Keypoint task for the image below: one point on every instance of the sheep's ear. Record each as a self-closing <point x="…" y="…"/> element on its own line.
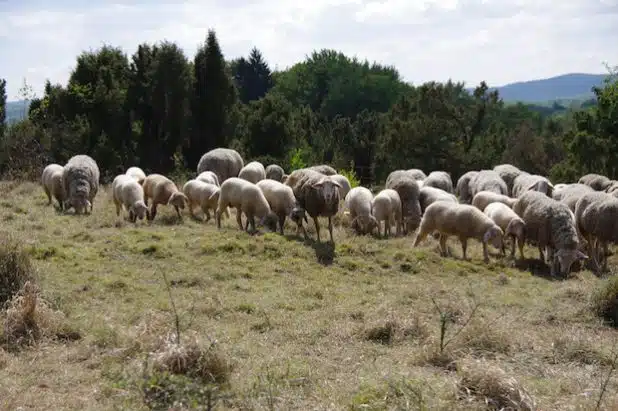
<point x="581" y="255"/>
<point x="336" y="184"/>
<point x="318" y="184"/>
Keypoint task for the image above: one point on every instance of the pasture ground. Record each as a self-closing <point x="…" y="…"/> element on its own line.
<point x="297" y="326"/>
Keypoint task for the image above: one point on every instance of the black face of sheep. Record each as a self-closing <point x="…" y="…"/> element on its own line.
<point x="269" y="221"/>
<point x="80" y="204"/>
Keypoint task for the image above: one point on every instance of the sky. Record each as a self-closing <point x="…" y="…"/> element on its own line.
<point x="499" y="41"/>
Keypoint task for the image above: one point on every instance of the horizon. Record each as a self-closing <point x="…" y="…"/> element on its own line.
<point x="445" y="34"/>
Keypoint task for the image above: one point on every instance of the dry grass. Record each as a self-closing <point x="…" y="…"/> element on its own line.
<point x="297" y="325"/>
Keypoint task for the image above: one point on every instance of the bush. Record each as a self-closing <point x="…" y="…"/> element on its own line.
<point x="15" y="268"/>
<point x="604" y="300"/>
<point x="351" y="176"/>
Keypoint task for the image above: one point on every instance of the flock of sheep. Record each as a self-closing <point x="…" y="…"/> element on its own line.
<point x="565" y="221"/>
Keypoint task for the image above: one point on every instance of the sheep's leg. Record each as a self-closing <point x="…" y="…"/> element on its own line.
<point x="153" y="211"/>
<point x="227" y="212"/>
<point x="206" y="212"/>
<point x="218" y="217"/>
<point x="541" y="254"/>
<point x="118" y="207"/>
<point x="464" y="248"/>
<point x="49" y="197"/>
<point x="60" y="205"/>
<point x="178" y="211"/>
<point x="190" y="207"/>
<point x="521" y="244"/>
<point x="604" y="256"/>
<point x="239" y="218"/>
<point x="419" y="237"/>
<point x="443" y="250"/>
<point x="513" y="247"/>
<point x="317" y="226"/>
<point x="330" y="229"/>
<point x="592" y="250"/>
<point x="281" y="223"/>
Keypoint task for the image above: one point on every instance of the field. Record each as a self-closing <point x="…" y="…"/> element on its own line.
<point x="285" y="324"/>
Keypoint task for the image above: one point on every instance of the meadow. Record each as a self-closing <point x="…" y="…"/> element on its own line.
<point x="278" y="322"/>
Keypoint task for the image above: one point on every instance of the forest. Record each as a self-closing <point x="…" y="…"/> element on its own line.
<point x="161" y="109"/>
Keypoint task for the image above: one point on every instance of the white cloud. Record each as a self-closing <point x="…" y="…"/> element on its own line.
<point x="499" y="41"/>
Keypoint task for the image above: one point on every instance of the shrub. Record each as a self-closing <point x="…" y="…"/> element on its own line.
<point x="604" y="300"/>
<point x="15" y="267"/>
<point x="351" y="176"/>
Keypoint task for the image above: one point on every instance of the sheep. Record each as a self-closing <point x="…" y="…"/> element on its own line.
<point x="550" y="224"/>
<point x="487" y="180"/>
<point x="511" y="224"/>
<point x="209" y="177"/>
<point x="358" y="204"/>
<point x="344" y="183"/>
<point x="386" y="206"/>
<point x="224" y="162"/>
<point x="525" y="182"/>
<point x="409" y="193"/>
<point x="282" y="202"/>
<point x="324" y="169"/>
<point x="253" y="172"/>
<point x="137" y="173"/>
<point x="127" y="192"/>
<point x="275" y="172"/>
<point x="612" y="188"/>
<point x="462" y="189"/>
<point x="202" y="194"/>
<point x="462" y="220"/>
<point x="598" y="223"/>
<point x="246" y="198"/>
<point x="417" y="173"/>
<point x="162" y="190"/>
<point x="598" y="182"/>
<point x="80" y="182"/>
<point x="508" y="173"/>
<point x="429" y="195"/>
<point x="483" y="198"/>
<point x="398" y="173"/>
<point x="51" y="179"/>
<point x="439" y="179"/>
<point x="317" y="194"/>
<point x="570" y="194"/>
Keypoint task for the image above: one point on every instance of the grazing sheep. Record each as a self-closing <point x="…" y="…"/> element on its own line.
<point x="162" y="190"/>
<point x="483" y="198"/>
<point x="417" y="173"/>
<point x="508" y="173"/>
<point x="462" y="190"/>
<point x="202" y="194"/>
<point x="224" y="162"/>
<point x="409" y="193"/>
<point x="526" y="182"/>
<point x="127" y="192"/>
<point x="429" y="195"/>
<point x="386" y="206"/>
<point x="487" y="180"/>
<point x="413" y="174"/>
<point x="358" y="204"/>
<point x="282" y="202"/>
<point x="511" y="224"/>
<point x="209" y="177"/>
<point x="246" y="198"/>
<point x="51" y="179"/>
<point x="344" y="183"/>
<point x="463" y="221"/>
<point x="598" y="182"/>
<point x="137" y="173"/>
<point x="275" y="172"/>
<point x="253" y="172"/>
<point x="550" y="224"/>
<point x="318" y="194"/>
<point x="439" y="179"/>
<point x="598" y="223"/>
<point x="570" y="194"/>
<point x="324" y="169"/>
<point x="80" y="182"/>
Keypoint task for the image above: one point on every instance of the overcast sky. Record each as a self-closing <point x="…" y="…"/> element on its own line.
<point x="499" y="41"/>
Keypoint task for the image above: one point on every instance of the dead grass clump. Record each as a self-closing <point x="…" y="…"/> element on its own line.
<point x="604" y="300"/>
<point x="491" y="385"/>
<point x="483" y="340"/>
<point x="383" y="333"/>
<point x="15" y="267"/>
<point x="573" y="348"/>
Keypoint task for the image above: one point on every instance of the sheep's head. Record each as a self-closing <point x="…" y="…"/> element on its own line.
<point x="493" y="236"/>
<point x="178" y="199"/>
<point x="139" y="210"/>
<point x="516" y="228"/>
<point x="329" y="188"/>
<point x="269" y="221"/>
<point x="566" y="257"/>
<point x="80" y="204"/>
<point x="365" y="223"/>
<point x="298" y="214"/>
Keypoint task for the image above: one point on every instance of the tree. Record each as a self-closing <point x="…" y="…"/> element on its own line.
<point x="252" y="77"/>
<point x="2" y="106"/>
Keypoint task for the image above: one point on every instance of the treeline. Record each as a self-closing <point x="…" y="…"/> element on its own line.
<point x="161" y="110"/>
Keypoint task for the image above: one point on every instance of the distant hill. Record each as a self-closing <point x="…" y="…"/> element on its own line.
<point x="16" y="110"/>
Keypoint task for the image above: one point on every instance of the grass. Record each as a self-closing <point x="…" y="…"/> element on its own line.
<point x="274" y="322"/>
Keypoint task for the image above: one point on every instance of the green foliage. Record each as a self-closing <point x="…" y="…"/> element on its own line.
<point x="351" y="176"/>
<point x="297" y="159"/>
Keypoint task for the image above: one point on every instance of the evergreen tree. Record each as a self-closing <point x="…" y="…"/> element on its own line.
<point x="2" y="106"/>
<point x="252" y="77"/>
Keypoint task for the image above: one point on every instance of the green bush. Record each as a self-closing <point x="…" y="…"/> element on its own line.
<point x="351" y="176"/>
<point x="15" y="267"/>
<point x="605" y="300"/>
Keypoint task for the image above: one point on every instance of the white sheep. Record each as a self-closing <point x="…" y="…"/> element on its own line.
<point x="282" y="202"/>
<point x="275" y="172"/>
<point x="511" y="224"/>
<point x="508" y="173"/>
<point x="209" y="177"/>
<point x="51" y="179"/>
<point x="487" y="180"/>
<point x="253" y="172"/>
<point x="597" y="182"/>
<point x="137" y="173"/>
<point x="128" y="193"/>
<point x="429" y="195"/>
<point x="224" y="162"/>
<point x="80" y="181"/>
<point x="462" y="189"/>
<point x="344" y="183"/>
<point x="463" y="221"/>
<point x="439" y="179"/>
<point x="162" y="190"/>
<point x="599" y="225"/>
<point x="358" y="205"/>
<point x="483" y="198"/>
<point x="526" y="182"/>
<point x="386" y="206"/>
<point x="203" y="195"/>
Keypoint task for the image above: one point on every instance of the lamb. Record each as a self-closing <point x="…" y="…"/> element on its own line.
<point x="317" y="194"/>
<point x="127" y="192"/>
<point x="508" y="173"/>
<point x="598" y="223"/>
<point x="462" y="189"/>
<point x="462" y="220"/>
<point x="512" y="225"/>
<point x="324" y="169"/>
<point x="282" y="202"/>
<point x="162" y="190"/>
<point x="439" y="179"/>
<point x="51" y="179"/>
<point x="525" y="182"/>
<point x="80" y="182"/>
<point x="483" y="198"/>
<point x="224" y="162"/>
<point x="137" y="173"/>
<point x="209" y="177"/>
<point x="202" y="194"/>
<point x="344" y="183"/>
<point x="551" y="225"/>
<point x="598" y="182"/>
<point x="487" y="180"/>
<point x="253" y="172"/>
<point x="409" y="193"/>
<point x="247" y="198"/>
<point x="358" y="203"/>
<point x="429" y="195"/>
<point x="386" y="206"/>
<point x="275" y="172"/>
